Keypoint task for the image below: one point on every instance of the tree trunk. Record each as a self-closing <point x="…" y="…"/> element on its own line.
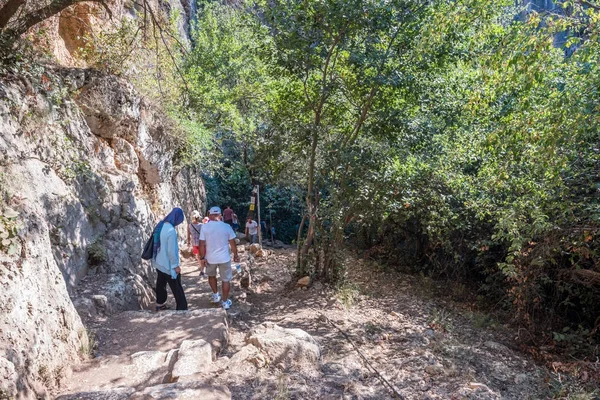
<point x="310" y="200"/>
<point x="43" y="13"/>
<point x="8" y="10"/>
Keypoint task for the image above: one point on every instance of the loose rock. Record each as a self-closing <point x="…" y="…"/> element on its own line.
<point x="289" y="346"/>
<point x="305" y="281"/>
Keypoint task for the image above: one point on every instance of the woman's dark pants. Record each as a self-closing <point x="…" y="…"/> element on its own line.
<point x="175" y="284"/>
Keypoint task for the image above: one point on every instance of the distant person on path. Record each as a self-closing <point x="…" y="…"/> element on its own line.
<point x="252" y="230"/>
<point x="193" y="237"/>
<point x="236" y="223"/>
<point x="273" y="233"/>
<point x="216" y="238"/>
<point x="228" y="216"/>
<point x="263" y="228"/>
<point x="165" y="258"/>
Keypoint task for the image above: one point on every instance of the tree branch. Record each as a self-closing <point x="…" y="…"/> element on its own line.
<point x="8" y="10"/>
<point x="41" y="14"/>
<point x="588" y="4"/>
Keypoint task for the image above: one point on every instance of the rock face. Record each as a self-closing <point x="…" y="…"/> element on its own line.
<point x="89" y="168"/>
<point x="63" y="34"/>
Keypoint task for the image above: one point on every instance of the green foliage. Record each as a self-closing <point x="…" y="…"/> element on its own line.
<point x="111" y="51"/>
<point x="96" y="253"/>
<point x="9" y="228"/>
<point x="454" y="137"/>
<point x="496" y="176"/>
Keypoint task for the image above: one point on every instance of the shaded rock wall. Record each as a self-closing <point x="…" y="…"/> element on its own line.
<point x="89" y="167"/>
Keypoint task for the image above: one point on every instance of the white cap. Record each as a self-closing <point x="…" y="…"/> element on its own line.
<point x="195" y="214"/>
<point x="214" y="210"/>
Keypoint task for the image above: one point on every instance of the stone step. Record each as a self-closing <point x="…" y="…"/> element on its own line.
<point x="144" y="349"/>
<point x="173" y="391"/>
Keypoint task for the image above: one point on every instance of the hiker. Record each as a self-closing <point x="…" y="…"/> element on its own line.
<point x="193" y="237"/>
<point x="236" y="224"/>
<point x="228" y="216"/>
<point x="165" y="258"/>
<point x="252" y="230"/>
<point x="216" y="238"/>
<point x="273" y="233"/>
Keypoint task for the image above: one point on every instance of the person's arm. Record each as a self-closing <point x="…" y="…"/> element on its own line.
<point x="246" y="233"/>
<point x="173" y="252"/>
<point x="202" y="249"/>
<point x="233" y="245"/>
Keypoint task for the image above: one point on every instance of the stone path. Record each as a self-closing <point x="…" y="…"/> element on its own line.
<point x="278" y="342"/>
<point x="149" y="355"/>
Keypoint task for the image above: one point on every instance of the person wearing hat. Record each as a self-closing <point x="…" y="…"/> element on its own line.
<point x="193" y="237"/>
<point x="216" y="238"/>
<point x="165" y="259"/>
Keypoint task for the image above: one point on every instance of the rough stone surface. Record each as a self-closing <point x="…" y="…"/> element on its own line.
<point x="288" y="347"/>
<point x="195" y="356"/>
<point x="185" y="391"/>
<point x="109" y="394"/>
<point x="89" y="176"/>
<point x="254" y="248"/>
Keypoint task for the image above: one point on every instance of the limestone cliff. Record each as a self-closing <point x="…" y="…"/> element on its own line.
<point x="89" y="166"/>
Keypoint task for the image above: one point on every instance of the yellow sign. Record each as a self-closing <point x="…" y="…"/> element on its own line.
<point x="251" y="207"/>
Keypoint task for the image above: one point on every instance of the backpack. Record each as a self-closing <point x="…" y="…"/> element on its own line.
<point x="148" y="249"/>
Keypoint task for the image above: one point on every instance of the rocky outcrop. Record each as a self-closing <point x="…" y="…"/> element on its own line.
<point x="88" y="165"/>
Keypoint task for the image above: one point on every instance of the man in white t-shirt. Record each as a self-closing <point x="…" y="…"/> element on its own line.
<point x="216" y="238"/>
<point x="252" y="230"/>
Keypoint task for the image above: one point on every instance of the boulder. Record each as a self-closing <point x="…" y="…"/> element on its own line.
<point x="248" y="354"/>
<point x="255" y="247"/>
<point x="194" y="356"/>
<point x="289" y="347"/>
<point x="151" y="366"/>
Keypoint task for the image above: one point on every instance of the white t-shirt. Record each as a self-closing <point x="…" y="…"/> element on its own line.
<point x="252" y="227"/>
<point x="217" y="235"/>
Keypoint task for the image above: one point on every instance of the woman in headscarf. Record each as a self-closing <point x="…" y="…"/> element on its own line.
<point x="165" y="258"/>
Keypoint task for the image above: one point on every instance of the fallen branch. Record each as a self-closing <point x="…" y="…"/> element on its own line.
<point x="383" y="380"/>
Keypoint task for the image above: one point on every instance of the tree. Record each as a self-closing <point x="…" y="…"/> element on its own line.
<point x="31" y="13"/>
<point x="343" y="56"/>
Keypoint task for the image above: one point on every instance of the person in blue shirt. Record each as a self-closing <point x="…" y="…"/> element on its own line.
<point x="165" y="258"/>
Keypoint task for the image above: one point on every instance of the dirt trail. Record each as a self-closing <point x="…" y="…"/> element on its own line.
<point x="422" y="349"/>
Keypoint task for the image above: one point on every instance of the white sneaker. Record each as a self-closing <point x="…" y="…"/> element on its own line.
<point x="216" y="297"/>
<point x="226" y="304"/>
